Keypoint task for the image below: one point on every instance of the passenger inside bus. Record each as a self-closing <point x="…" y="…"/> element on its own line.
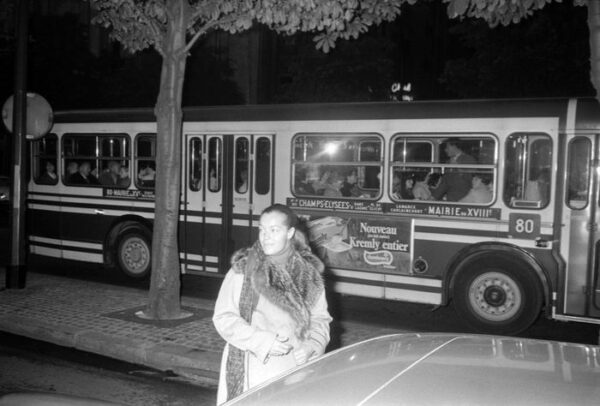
<point x="455" y="183"/>
<point x="71" y="170"/>
<point x="124" y="179"/>
<point x="242" y="186"/>
<point x="49" y="176"/>
<point x="402" y="184"/>
<point x="302" y="182"/>
<point x="320" y="184"/>
<point x="538" y="190"/>
<point x="147" y="175"/>
<point x="332" y="186"/>
<point x="349" y="186"/>
<point x="84" y="175"/>
<point x="420" y="190"/>
<point x="481" y="190"/>
<point x="111" y="174"/>
<point x="213" y="181"/>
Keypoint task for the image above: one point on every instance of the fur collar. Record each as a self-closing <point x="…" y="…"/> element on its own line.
<point x="294" y="289"/>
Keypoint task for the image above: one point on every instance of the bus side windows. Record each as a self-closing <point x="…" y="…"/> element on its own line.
<point x="579" y="169"/>
<point x="215" y="170"/>
<point x="242" y="151"/>
<point x="146" y="173"/>
<point x="145" y="161"/>
<point x="335" y="181"/>
<point x="96" y="159"/>
<point x="444" y="168"/>
<point x="44" y="160"/>
<point x="195" y="164"/>
<point x="346" y="166"/>
<point x="262" y="173"/>
<point x="527" y="171"/>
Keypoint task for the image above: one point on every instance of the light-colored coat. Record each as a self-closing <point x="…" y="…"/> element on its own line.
<point x="256" y="339"/>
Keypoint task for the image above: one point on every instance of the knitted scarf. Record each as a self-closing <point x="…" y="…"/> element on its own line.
<point x="294" y="288"/>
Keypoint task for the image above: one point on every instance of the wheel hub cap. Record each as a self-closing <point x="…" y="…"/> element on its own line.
<point x="494" y="295"/>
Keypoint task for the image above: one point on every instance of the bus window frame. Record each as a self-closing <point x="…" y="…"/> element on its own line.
<point x="136" y="160"/>
<point x="258" y="175"/>
<point x="523" y="203"/>
<point x="590" y="145"/>
<point x="37" y="170"/>
<point x="241" y="159"/>
<point x="435" y="166"/>
<point x="97" y="159"/>
<point x="360" y="138"/>
<point x="195" y="184"/>
<point x="218" y="159"/>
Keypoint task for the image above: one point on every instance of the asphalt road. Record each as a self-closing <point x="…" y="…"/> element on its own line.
<point x="28" y="365"/>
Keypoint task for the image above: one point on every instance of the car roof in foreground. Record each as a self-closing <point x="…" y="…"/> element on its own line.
<point x="420" y="369"/>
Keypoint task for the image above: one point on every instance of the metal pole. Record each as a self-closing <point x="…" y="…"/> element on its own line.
<point x="16" y="271"/>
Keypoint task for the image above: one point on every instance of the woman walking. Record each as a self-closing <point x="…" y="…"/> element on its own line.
<point x="271" y="309"/>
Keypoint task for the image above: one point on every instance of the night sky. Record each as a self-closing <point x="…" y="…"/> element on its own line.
<point x="544" y="56"/>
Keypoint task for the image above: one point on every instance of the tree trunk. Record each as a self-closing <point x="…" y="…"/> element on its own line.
<point x="594" y="28"/>
<point x="164" y="296"/>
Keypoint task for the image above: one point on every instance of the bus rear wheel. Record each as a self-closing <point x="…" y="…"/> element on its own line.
<point x="497" y="296"/>
<point x="134" y="252"/>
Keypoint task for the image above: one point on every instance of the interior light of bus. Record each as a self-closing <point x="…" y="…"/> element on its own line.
<point x="331" y="148"/>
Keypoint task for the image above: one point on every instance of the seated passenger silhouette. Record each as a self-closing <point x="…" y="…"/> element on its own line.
<point x="83" y="175"/>
<point x="455" y="183"/>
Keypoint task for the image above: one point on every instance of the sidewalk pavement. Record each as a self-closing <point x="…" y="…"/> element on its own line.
<point x="100" y="318"/>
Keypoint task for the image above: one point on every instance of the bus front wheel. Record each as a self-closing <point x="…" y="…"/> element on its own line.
<point x="497" y="296"/>
<point x="134" y="252"/>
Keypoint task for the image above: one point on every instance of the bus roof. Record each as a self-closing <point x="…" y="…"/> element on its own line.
<point x="588" y="111"/>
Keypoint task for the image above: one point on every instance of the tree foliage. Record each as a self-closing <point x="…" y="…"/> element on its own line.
<point x="496" y="12"/>
<point x="138" y="24"/>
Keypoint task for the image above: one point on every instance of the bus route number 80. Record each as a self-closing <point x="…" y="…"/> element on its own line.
<point x="522" y="225"/>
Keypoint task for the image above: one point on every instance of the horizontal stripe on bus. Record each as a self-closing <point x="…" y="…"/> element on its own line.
<point x="466" y="239"/>
<point x="468" y="232"/>
<point x="101" y="205"/>
<point x="68" y="243"/>
<point x="195" y="257"/>
<point x="43" y="207"/>
<point x="83" y="256"/>
<point x="45" y="251"/>
<point x="407" y="280"/>
<point x="470" y="228"/>
<point x="198" y="270"/>
<point x="65" y="248"/>
<point x="388" y="281"/>
<point x="118" y="211"/>
<point x="413" y="296"/>
<point x="360" y="289"/>
<point x="66" y="254"/>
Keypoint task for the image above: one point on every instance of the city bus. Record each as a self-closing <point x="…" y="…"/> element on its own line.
<point x="489" y="204"/>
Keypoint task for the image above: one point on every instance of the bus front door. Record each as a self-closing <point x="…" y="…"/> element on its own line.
<point x="251" y="183"/>
<point x="227" y="184"/>
<point x="202" y="214"/>
<point x="581" y="215"/>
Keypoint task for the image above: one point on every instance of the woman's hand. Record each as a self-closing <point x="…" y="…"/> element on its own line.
<point x="280" y="346"/>
<point x="302" y="354"/>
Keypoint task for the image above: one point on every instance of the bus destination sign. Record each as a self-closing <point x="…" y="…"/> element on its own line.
<point x="416" y="208"/>
<point x="129" y="194"/>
